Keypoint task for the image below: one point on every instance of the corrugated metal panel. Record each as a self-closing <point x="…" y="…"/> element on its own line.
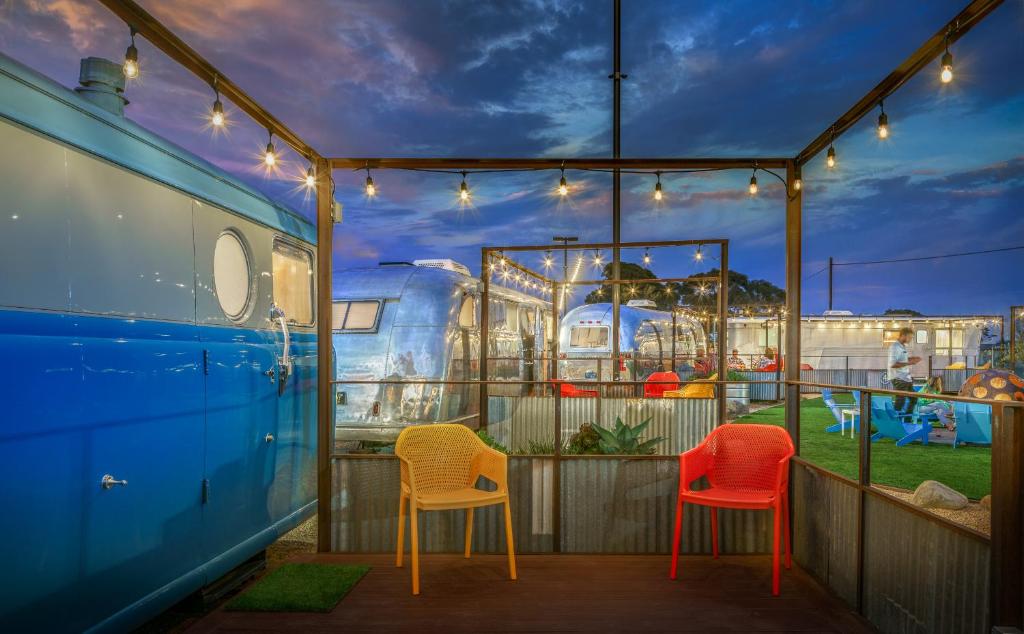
<point x="953" y="380"/>
<point x="764" y="391"/>
<point x="859" y="378"/>
<point x="825" y="529"/>
<point x="920" y="576"/>
<point x="516" y="421"/>
<point x="620" y="505"/>
<point x="365" y="510"/>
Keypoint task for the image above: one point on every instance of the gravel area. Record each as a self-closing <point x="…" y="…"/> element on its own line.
<point x="973" y="516"/>
<point x="299" y="540"/>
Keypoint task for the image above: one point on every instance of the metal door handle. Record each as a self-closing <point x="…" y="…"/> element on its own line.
<point x="269" y="438"/>
<point x="108" y="482"/>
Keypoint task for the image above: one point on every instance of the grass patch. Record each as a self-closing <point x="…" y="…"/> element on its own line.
<point x="966" y="469"/>
<point x="299" y="587"/>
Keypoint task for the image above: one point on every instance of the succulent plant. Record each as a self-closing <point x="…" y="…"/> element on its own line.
<point x="624" y="440"/>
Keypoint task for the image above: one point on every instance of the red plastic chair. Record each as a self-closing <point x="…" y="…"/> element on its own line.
<point x="657" y="390"/>
<point x="568" y="390"/>
<point x="747" y="467"/>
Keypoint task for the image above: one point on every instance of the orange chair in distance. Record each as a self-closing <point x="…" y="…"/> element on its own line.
<point x="747" y="467"/>
<point x="654" y="388"/>
<point x="440" y="468"/>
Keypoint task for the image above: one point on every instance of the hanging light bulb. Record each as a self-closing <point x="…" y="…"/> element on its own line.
<point x="310" y="178"/>
<point x="217" y="114"/>
<point x="753" y="183"/>
<point x="464" y="192"/>
<point x="548" y="260"/>
<point x="657" y="189"/>
<point x="371" y="189"/>
<point x="699" y="255"/>
<point x="830" y="158"/>
<point x="563" y="185"/>
<point x="647" y="256"/>
<point x="598" y="260"/>
<point x="946" y="65"/>
<point x="270" y="155"/>
<point x="131" y="59"/>
<point x="883" y="122"/>
<point x="798" y="182"/>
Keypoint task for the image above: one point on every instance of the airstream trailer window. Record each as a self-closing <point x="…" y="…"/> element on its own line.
<point x="467" y="313"/>
<point x="527" y="319"/>
<point x="496" y="315"/>
<point x="338" y="312"/>
<point x="949" y="341"/>
<point x="588" y="337"/>
<point x="511" y="316"/>
<point x="362" y="315"/>
<point x="293" y="282"/>
<point x="232" y="276"/>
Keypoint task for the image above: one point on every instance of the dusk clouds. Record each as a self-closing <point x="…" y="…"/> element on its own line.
<point x="529" y="78"/>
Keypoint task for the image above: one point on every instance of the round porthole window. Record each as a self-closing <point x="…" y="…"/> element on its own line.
<point x="232" y="277"/>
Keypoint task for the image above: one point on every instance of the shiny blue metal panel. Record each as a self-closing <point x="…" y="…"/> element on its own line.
<point x="37" y="102"/>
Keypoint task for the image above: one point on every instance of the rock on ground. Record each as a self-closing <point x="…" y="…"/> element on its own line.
<point x="935" y="495"/>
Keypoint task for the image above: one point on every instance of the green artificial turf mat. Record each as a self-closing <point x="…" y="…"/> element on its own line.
<point x="299" y="587"/>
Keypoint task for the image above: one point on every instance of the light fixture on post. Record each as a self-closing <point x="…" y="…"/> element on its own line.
<point x="464" y="194"/>
<point x="563" y="185"/>
<point x="371" y="189"/>
<point x="946" y="64"/>
<point x="270" y="155"/>
<point x="883" y="122"/>
<point x="657" y="189"/>
<point x="131" y="58"/>
<point x="752" y="189"/>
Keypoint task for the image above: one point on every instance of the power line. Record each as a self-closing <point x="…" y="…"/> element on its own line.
<point x="818" y="272"/>
<point x="927" y="257"/>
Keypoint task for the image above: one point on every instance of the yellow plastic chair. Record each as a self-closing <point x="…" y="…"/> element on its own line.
<point x="440" y="468"/>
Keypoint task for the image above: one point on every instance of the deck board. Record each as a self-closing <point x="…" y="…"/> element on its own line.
<point x="564" y="593"/>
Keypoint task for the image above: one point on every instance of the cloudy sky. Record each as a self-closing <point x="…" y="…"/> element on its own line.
<point x="529" y="78"/>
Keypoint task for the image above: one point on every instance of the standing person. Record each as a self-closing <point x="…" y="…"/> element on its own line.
<point x="899" y="370"/>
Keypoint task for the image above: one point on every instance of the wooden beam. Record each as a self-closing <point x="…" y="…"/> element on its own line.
<point x="794" y="247"/>
<point x="324" y="353"/>
<point x="171" y="45"/>
<point x="625" y="164"/>
<point x="919" y="59"/>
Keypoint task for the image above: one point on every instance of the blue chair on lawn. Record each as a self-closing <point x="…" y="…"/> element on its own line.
<point x="837" y="410"/>
<point x="973" y="423"/>
<point x="885" y="418"/>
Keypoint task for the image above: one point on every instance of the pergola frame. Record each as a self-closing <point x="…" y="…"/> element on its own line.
<point x="1007" y="557"/>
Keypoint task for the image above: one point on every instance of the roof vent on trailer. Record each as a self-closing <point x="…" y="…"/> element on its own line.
<point x="103" y="84"/>
<point x="641" y="303"/>
<point x="443" y="263"/>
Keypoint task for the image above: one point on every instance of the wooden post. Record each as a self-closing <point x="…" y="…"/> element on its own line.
<point x="793" y="267"/>
<point x="324" y="356"/>
<point x="723" y="325"/>
<point x="484" y="329"/>
<point x="1007" y="555"/>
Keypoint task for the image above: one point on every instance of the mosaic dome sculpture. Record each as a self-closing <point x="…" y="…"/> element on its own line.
<point x="996" y="385"/>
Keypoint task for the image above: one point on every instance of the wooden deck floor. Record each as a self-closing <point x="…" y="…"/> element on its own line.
<point x="564" y="593"/>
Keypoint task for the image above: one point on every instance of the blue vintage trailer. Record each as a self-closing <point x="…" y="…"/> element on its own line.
<point x="157" y="429"/>
<point x="419" y="321"/>
<point x="645" y="340"/>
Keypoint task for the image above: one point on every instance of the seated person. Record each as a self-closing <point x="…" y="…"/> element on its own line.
<point x="703" y="365"/>
<point x="941" y="409"/>
<point x="735" y="362"/>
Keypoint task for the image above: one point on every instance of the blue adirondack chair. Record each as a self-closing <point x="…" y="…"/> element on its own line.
<point x="885" y="418"/>
<point x="837" y="410"/>
<point x="973" y="423"/>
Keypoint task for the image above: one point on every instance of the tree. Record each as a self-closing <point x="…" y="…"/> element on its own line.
<point x="742" y="289"/>
<point x="902" y="311"/>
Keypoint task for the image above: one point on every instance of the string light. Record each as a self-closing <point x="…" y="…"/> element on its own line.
<point x="270" y="156"/>
<point x="699" y="255"/>
<point x="753" y="183"/>
<point x="217" y="118"/>
<point x="548" y="261"/>
<point x="131" y="59"/>
<point x="883" y="122"/>
<point x="598" y="260"/>
<point x="657" y="189"/>
<point x="647" y="256"/>
<point x="371" y="189"/>
<point x="798" y="182"/>
<point x="563" y="185"/>
<point x="464" y="194"/>
<point x="946" y="65"/>
<point x="310" y="178"/>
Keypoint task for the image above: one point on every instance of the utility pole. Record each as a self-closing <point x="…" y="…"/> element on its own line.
<point x="830" y="282"/>
<point x="565" y="240"/>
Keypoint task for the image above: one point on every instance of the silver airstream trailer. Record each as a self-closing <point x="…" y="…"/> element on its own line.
<point x="419" y="321"/>
<point x="649" y="340"/>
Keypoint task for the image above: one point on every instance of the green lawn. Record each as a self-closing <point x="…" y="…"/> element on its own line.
<point x="966" y="469"/>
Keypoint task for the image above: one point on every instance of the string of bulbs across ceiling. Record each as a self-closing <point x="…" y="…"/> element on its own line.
<point x="218" y="120"/>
